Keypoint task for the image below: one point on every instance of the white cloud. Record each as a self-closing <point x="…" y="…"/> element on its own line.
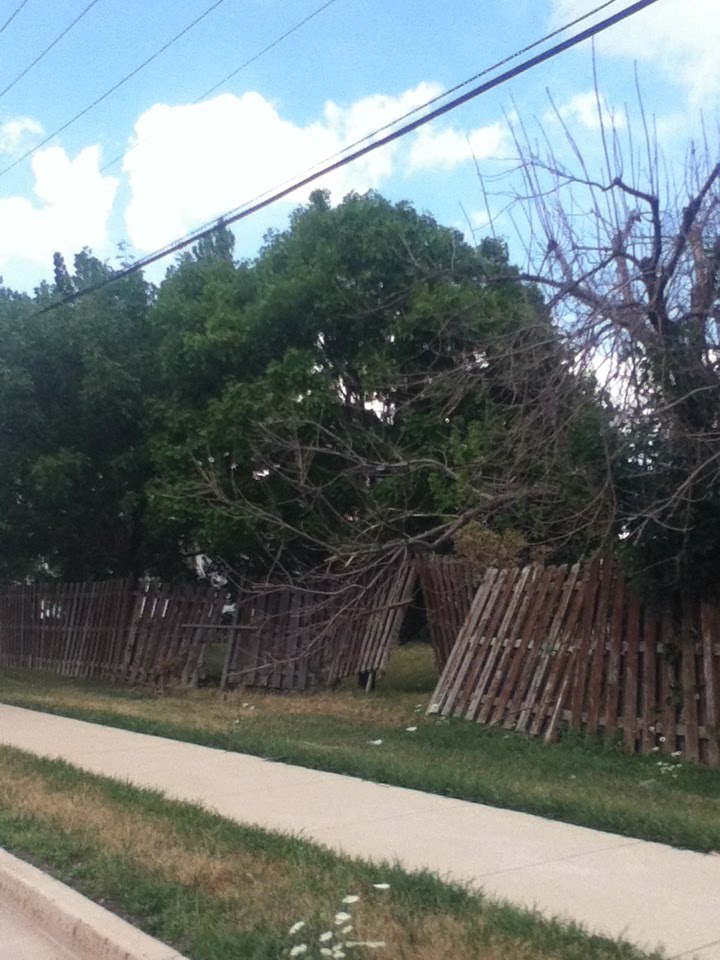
<point x="583" y="109"/>
<point x="445" y="149"/>
<point x="75" y="204"/>
<point x="679" y="37"/>
<point x="191" y="163"/>
<point x="14" y="134"/>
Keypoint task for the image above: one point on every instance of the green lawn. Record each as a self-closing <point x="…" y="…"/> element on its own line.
<point x="219" y="891"/>
<point x="577" y="780"/>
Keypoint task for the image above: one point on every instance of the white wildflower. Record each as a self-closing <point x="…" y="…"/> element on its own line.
<point x="374" y="743"/>
<point x="370" y="944"/>
<point x="381" y="886"/>
<point x="324" y="937"/>
<point x="350" y="898"/>
<point x="411" y="729"/>
<point x="655" y="749"/>
<point x="676" y="753"/>
<point x="299" y="950"/>
<point x="662" y="739"/>
<point x="296" y="926"/>
<point x="342" y="917"/>
<point x="347" y="929"/>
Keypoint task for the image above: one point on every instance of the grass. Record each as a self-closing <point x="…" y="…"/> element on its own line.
<point x="217" y="891"/>
<point x="576" y="780"/>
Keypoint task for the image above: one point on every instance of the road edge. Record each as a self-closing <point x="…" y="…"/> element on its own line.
<point x="78" y="924"/>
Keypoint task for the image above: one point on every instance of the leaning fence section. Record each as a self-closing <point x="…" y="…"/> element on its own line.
<point x="272" y="640"/>
<point x="170" y="631"/>
<point x="283" y="637"/>
<point x="316" y="632"/>
<point x="545" y="646"/>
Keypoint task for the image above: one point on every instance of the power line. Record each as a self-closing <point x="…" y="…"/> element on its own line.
<point x="114" y="87"/>
<point x="423" y="106"/>
<point x="12" y="16"/>
<point x="243" y="66"/>
<point x="397" y="120"/>
<point x="477" y="76"/>
<point x="47" y="49"/>
<point x="233" y="216"/>
<point x="260" y="53"/>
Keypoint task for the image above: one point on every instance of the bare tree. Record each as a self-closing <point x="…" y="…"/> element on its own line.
<point x="629" y="259"/>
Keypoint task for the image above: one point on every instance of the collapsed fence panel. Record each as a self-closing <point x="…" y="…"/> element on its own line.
<point x="541" y="647"/>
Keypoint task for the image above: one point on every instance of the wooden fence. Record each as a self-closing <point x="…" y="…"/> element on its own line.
<point x="449" y="585"/>
<point x="75" y="629"/>
<point x="170" y="631"/>
<point x="543" y="646"/>
<point x="281" y="638"/>
<point x="295" y="637"/>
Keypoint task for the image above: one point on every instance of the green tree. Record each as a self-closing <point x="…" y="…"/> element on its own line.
<point x="76" y="382"/>
<point x="369" y="379"/>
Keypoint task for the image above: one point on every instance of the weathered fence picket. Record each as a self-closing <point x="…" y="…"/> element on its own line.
<point x="543" y="647"/>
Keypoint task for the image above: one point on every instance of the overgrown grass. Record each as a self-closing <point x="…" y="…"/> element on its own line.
<point x="217" y="890"/>
<point x="576" y="780"/>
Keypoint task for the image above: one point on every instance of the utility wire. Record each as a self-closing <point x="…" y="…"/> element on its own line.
<point x="47" y="49"/>
<point x="233" y="216"/>
<point x="397" y="120"/>
<point x="12" y="16"/>
<point x="477" y="76"/>
<point x="423" y="106"/>
<point x="115" y="86"/>
<point x="236" y="71"/>
<point x="260" y="53"/>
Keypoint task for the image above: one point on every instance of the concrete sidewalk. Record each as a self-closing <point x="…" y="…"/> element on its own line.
<point x="650" y="894"/>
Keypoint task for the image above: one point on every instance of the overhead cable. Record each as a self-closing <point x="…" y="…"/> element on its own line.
<point x="12" y="16"/>
<point x="49" y="47"/>
<point x="423" y="106"/>
<point x="236" y="71"/>
<point x="113" y="88"/>
<point x="236" y="215"/>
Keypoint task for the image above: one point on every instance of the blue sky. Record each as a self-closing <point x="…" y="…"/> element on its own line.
<point x="354" y="67"/>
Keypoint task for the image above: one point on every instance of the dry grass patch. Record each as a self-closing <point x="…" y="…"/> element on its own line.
<point x="218" y="890"/>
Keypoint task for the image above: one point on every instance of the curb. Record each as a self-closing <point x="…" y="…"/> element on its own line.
<point x="76" y="923"/>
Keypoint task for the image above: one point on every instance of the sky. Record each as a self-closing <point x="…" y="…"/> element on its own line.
<point x="190" y="156"/>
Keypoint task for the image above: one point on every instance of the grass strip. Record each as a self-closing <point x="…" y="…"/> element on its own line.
<point x="577" y="780"/>
<point x="217" y="890"/>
